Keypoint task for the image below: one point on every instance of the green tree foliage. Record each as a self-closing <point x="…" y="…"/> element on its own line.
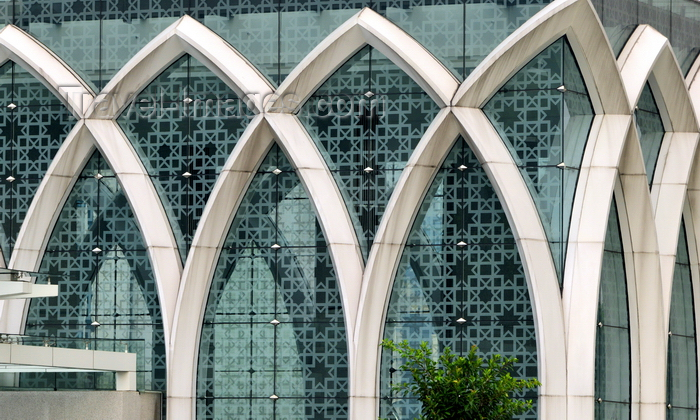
<point x="461" y="387"/>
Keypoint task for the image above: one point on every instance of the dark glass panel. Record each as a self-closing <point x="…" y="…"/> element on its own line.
<point x="33" y="125"/>
<point x="682" y="375"/>
<point x="650" y="128"/>
<point x="366" y="120"/>
<point x="613" y="355"/>
<point x="184" y="125"/>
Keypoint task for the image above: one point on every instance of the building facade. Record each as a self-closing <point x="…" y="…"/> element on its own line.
<point x="252" y="195"/>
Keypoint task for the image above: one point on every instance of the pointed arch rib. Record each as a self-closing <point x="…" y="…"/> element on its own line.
<point x="332" y="213"/>
<point x="397" y="223"/>
<point x="648" y="56"/>
<point x="533" y="246"/>
<point x="367" y="27"/>
<point x="23" y="49"/>
<point x="218" y="215"/>
<point x="43" y="213"/>
<point x="383" y="261"/>
<point x="184" y="36"/>
<point x="148" y="211"/>
<point x="578" y="21"/>
<point x="213" y="226"/>
<point x="646" y="299"/>
<point x="594" y="192"/>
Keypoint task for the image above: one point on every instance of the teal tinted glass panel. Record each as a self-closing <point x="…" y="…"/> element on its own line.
<point x="274" y="322"/>
<point x="127" y="26"/>
<point x="543" y="114"/>
<point x="98" y="259"/>
<point x="620" y="18"/>
<point x="71" y="29"/>
<point x="458" y="295"/>
<point x="304" y="24"/>
<point x="613" y="372"/>
<point x="252" y="27"/>
<point x="682" y="376"/>
<point x="366" y="120"/>
<point x="33" y="125"/>
<point x="439" y="26"/>
<point x="650" y="128"/>
<point x="184" y="126"/>
<point x="685" y="36"/>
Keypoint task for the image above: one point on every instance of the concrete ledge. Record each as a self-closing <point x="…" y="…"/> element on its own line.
<point x="21" y="358"/>
<point x="71" y="405"/>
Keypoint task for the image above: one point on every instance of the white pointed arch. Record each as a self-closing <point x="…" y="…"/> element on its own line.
<point x="229" y="190"/>
<point x="367" y="27"/>
<point x="648" y="57"/>
<point x="578" y="21"/>
<point x="23" y="49"/>
<point x="148" y="210"/>
<point x="648" y="325"/>
<point x="597" y="180"/>
<point x="43" y="213"/>
<point x="185" y="36"/>
<point x="523" y="217"/>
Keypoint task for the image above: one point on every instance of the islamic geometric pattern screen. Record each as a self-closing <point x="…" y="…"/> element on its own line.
<point x="97" y="257"/>
<point x="33" y="124"/>
<point x="184" y="126"/>
<point x="544" y="114"/>
<point x="273" y="342"/>
<point x="460" y="282"/>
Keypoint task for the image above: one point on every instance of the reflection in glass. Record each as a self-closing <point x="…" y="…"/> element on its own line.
<point x="366" y="120"/>
<point x="184" y="126"/>
<point x="650" y="128"/>
<point x="98" y="259"/>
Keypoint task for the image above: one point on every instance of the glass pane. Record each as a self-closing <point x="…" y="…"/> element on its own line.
<point x="252" y="27"/>
<point x="184" y="126"/>
<point x="682" y="376"/>
<point x="33" y="125"/>
<point x="71" y="29"/>
<point x="650" y="128"/>
<point x="366" y="120"/>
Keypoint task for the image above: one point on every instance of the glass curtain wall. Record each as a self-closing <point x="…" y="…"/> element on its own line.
<point x="650" y="128"/>
<point x="678" y="20"/>
<point x="460" y="282"/>
<point x="106" y="286"/>
<point x="273" y="344"/>
<point x="366" y="120"/>
<point x="184" y="126"/>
